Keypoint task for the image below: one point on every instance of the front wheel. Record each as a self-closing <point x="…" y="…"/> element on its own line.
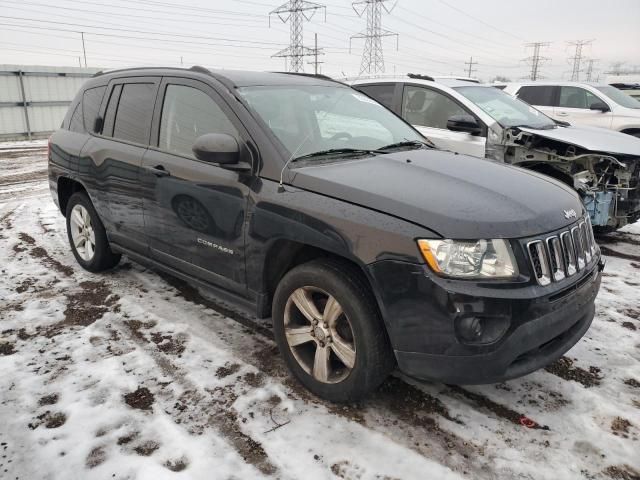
<point x="329" y="331"/>
<point x="87" y="236"/>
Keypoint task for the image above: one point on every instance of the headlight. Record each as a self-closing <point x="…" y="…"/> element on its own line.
<point x="470" y="258"/>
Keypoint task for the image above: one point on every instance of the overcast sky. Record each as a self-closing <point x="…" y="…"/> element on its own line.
<point x="435" y="36"/>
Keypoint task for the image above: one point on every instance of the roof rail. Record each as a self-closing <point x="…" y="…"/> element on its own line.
<point x="97" y="74"/>
<point x="419" y="76"/>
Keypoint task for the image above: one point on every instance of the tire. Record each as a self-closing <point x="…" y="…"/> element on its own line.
<point x="359" y="327"/>
<point x="100" y="257"/>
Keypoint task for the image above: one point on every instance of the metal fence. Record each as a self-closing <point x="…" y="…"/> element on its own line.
<point x="34" y="99"/>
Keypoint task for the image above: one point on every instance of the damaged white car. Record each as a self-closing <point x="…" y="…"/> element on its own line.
<point x="466" y="117"/>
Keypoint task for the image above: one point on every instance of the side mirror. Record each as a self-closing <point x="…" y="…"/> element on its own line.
<point x="464" y="123"/>
<point x="601" y="106"/>
<point x="219" y="148"/>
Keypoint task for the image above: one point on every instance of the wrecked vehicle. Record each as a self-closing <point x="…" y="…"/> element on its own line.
<point x="466" y="117"/>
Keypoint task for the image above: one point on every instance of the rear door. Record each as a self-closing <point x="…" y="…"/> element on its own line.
<point x="542" y="97"/>
<point x="114" y="157"/>
<point x="574" y="106"/>
<point x="428" y="110"/>
<point x="194" y="211"/>
<point x="388" y="94"/>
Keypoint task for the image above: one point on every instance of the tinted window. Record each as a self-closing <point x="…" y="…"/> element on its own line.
<point x="133" y="117"/>
<point x="576" y="97"/>
<point x="621" y="98"/>
<point x="110" y="114"/>
<point x="76" y="125"/>
<point x="428" y="108"/>
<point x="537" y="95"/>
<point x="91" y="101"/>
<point x="188" y="113"/>
<point x="382" y="93"/>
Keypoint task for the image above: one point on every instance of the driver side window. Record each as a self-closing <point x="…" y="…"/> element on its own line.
<point x="428" y="108"/>
<point x="188" y="113"/>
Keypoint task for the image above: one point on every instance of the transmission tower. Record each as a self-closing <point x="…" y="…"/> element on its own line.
<point x="296" y="12"/>
<point x="577" y="58"/>
<point x="471" y="63"/>
<point x="590" y="70"/>
<point x="372" y="58"/>
<point x="536" y="60"/>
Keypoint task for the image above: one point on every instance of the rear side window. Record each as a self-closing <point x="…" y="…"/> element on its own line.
<point x="187" y="114"/>
<point x="537" y="95"/>
<point x="381" y="93"/>
<point x="91" y="101"/>
<point x="133" y="117"/>
<point x="428" y="108"/>
<point x="76" y="124"/>
<point x="576" y="97"/>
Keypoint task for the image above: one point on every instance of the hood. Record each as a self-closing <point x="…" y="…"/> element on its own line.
<point x="592" y="138"/>
<point x="456" y="196"/>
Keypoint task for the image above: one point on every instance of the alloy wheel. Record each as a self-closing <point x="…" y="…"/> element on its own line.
<point x="319" y="334"/>
<point x="82" y="233"/>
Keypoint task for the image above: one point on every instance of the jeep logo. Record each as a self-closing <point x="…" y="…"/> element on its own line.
<point x="570" y="214"/>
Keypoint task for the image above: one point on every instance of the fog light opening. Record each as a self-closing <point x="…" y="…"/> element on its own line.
<point x="470" y="328"/>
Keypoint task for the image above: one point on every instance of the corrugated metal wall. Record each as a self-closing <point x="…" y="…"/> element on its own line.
<point x="40" y="109"/>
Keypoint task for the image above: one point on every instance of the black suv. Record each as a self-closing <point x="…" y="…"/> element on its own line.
<point x="313" y="204"/>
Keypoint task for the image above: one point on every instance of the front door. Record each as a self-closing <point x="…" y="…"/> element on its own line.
<point x="194" y="211"/>
<point x="429" y="110"/>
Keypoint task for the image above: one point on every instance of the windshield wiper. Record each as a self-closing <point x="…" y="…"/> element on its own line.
<point x="337" y="151"/>
<point x="406" y="143"/>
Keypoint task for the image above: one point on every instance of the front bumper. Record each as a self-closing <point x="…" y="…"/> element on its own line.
<point x="535" y="325"/>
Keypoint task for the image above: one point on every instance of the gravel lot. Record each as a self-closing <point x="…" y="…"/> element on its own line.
<point x="132" y="374"/>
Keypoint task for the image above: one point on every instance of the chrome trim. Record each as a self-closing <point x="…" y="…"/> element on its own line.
<point x="556" y="257"/>
<point x="586" y="241"/>
<point x="544" y="277"/>
<point x="576" y="236"/>
<point x="569" y="253"/>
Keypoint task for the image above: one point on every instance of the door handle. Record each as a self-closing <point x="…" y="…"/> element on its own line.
<point x="158" y="171"/>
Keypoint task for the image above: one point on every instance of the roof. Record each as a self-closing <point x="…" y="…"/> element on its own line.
<point x="231" y="78"/>
<point x="423" y="80"/>
<point x="560" y="83"/>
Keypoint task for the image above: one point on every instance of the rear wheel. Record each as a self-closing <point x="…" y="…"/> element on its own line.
<point x="329" y="331"/>
<point x="87" y="236"/>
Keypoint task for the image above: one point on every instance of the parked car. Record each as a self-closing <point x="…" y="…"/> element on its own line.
<point x="367" y="247"/>
<point x="479" y="120"/>
<point x="589" y="104"/>
<point x="631" y="89"/>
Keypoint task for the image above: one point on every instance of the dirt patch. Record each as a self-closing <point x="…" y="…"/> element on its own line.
<point x="635" y="265"/>
<point x="227" y="369"/>
<point x="7" y="349"/>
<point x="254" y="380"/>
<point x="169" y="344"/>
<point x="146" y="449"/>
<point x="136" y="325"/>
<point x="48" y="400"/>
<point x="126" y="439"/>
<point x="622" y="472"/>
<point x="564" y="368"/>
<point x="26" y="238"/>
<point x="632" y="313"/>
<point x="141" y="399"/>
<point x="632" y="382"/>
<point x="620" y="426"/>
<point x="48" y="260"/>
<point x="88" y="305"/>
<point x="26" y="285"/>
<point x="629" y="326"/>
<point x="50" y="420"/>
<point x="177" y="465"/>
<point x="498" y="409"/>
<point x="96" y="457"/>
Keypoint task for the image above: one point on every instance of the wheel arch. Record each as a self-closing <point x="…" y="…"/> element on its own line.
<point x="67" y="186"/>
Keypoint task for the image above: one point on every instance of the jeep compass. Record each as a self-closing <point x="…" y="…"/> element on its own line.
<point x="308" y="202"/>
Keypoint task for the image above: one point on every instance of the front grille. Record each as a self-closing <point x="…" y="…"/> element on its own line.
<point x="562" y="255"/>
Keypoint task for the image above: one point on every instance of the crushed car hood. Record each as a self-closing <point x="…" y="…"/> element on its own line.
<point x="456" y="196"/>
<point x="592" y="138"/>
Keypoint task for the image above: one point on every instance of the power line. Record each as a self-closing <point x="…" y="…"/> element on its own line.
<point x="577" y="57"/>
<point x="372" y="56"/>
<point x="471" y="63"/>
<point x="591" y="70"/>
<point x="295" y="12"/>
<point x="316" y="51"/>
<point x="536" y="60"/>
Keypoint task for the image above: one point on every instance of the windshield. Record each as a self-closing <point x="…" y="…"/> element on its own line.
<point x="505" y="109"/>
<point x="312" y="119"/>
<point x="619" y="97"/>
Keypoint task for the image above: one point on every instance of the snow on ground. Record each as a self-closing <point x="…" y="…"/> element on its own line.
<point x="132" y="375"/>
